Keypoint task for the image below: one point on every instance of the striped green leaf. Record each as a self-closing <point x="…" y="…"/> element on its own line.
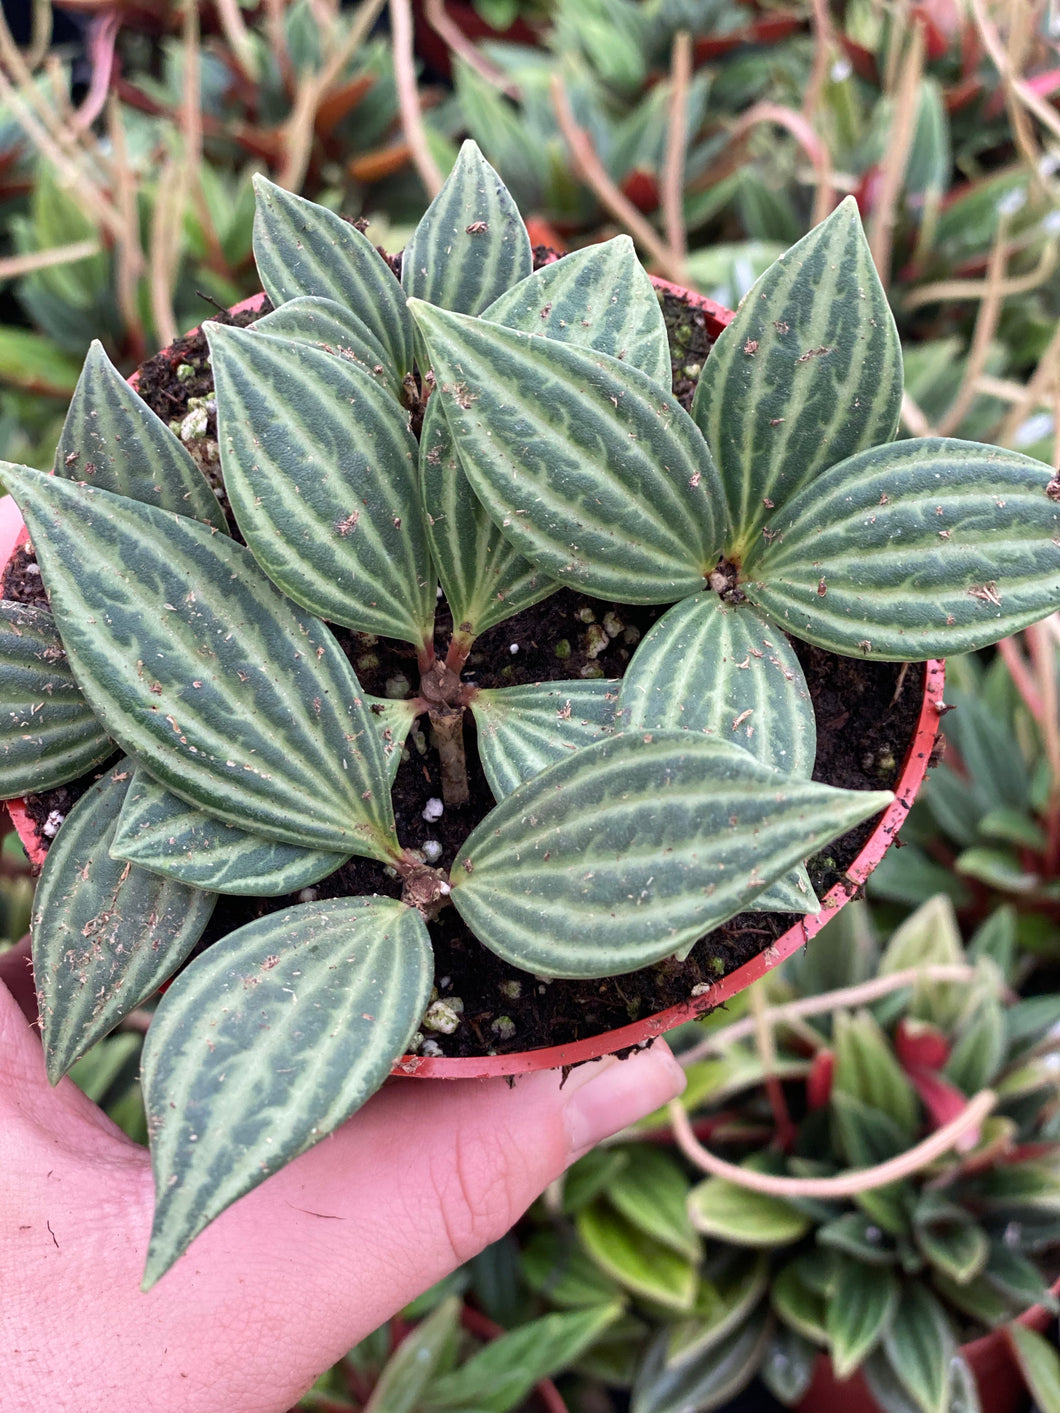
<point x="915" y="550"/>
<point x="599" y="297"/>
<point x="808" y="372"/>
<point x="48" y="732"/>
<point x="521" y="730"/>
<point x="629" y="1255"/>
<point x="591" y="470"/>
<point x="200" y="668"/>
<point x="737" y="1281"/>
<point x="393" y="720"/>
<point x="471" y="244"/>
<point x="112" y="440"/>
<point x="304" y="249"/>
<point x="320" y="468"/>
<point x="105" y="933"/>
<point x="176" y="840"/>
<point x="485" y="579"/>
<point x="859" y="1310"/>
<point x="737" y="1215"/>
<point x="266" y="1043"/>
<point x="636" y="846"/>
<point x="707" y="1382"/>
<point x="339" y="331"/>
<point x="1039" y="1364"/>
<point x="724" y="670"/>
<point x="920" y="1346"/>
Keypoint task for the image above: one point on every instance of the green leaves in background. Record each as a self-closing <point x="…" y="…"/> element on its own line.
<point x="866" y="1070"/>
<point x="591" y="470"/>
<point x="112" y="440"/>
<point x="177" y="840"/>
<point x="808" y="372"/>
<point x="735" y="1214"/>
<point x="628" y="1254"/>
<point x="48" y="732"/>
<point x="106" y="934"/>
<point x="521" y="730"/>
<point x="501" y="1375"/>
<point x="920" y="1347"/>
<point x="860" y="1309"/>
<point x="915" y="550"/>
<point x="304" y="249"/>
<point x="485" y="579"/>
<point x="628" y="851"/>
<point x="600" y="298"/>
<point x="201" y="669"/>
<point x="292" y="1021"/>
<point x="471" y="244"/>
<point x="327" y="324"/>
<point x="708" y="1381"/>
<point x="320" y="468"/>
<point x="1039" y="1364"/>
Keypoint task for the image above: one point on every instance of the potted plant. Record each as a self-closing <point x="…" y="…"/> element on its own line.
<point x="881" y="1232"/>
<point x="631" y="817"/>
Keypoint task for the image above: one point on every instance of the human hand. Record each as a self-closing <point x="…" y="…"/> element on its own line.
<point x="284" y="1282"/>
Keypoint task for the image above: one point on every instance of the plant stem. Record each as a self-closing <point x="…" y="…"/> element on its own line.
<point x="846" y="996"/>
<point x="846" y="1184"/>
<point x="448" y="726"/>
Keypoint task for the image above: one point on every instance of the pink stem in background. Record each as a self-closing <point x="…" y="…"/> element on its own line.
<point x="102" y="34"/>
<point x="1021" y="677"/>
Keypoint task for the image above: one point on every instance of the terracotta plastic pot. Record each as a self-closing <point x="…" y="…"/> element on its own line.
<point x="642" y="1031"/>
<point x="997" y="1375"/>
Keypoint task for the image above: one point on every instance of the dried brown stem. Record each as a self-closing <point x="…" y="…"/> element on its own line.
<point x="847" y="1184"/>
<point x="409" y="98"/>
<point x="448" y="726"/>
<point x="459" y="44"/>
<point x="592" y="171"/>
<point x="899" y="145"/>
<point x="842" y="998"/>
<point x="673" y="173"/>
<point x="986" y="322"/>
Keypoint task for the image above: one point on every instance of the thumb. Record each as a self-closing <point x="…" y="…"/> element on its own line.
<point x="421" y="1179"/>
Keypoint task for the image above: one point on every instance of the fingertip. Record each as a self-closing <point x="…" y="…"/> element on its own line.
<point x="602" y="1100"/>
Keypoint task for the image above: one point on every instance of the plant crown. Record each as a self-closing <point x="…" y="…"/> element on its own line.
<point x="631" y="818"/>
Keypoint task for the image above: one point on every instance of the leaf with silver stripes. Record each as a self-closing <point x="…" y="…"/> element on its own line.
<point x="304" y="249"/>
<point x="600" y="297"/>
<point x="521" y="730"/>
<point x="106" y="934"/>
<point x="321" y="470"/>
<point x="199" y="667"/>
<point x="112" y="440"/>
<point x="268" y="1042"/>
<point x="159" y="832"/>
<point x="48" y="732"/>
<point x="634" y="847"/>
<point x="590" y="469"/>
<point x="337" y="330"/>
<point x="724" y="670"/>
<point x="485" y="579"/>
<point x="393" y="720"/>
<point x="808" y="372"/>
<point x="471" y="244"/>
<point x="915" y="550"/>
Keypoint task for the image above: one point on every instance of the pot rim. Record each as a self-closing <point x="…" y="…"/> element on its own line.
<point x="642" y="1032"/>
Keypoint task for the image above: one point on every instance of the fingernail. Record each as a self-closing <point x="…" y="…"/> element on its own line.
<point x="608" y="1095"/>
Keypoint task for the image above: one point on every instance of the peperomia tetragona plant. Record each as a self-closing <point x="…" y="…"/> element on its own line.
<point x="631" y="816"/>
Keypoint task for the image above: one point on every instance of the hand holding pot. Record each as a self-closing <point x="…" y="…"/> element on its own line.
<point x="421" y="1179"/>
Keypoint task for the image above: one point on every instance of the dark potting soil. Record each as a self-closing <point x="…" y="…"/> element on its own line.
<point x="866" y="715"/>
